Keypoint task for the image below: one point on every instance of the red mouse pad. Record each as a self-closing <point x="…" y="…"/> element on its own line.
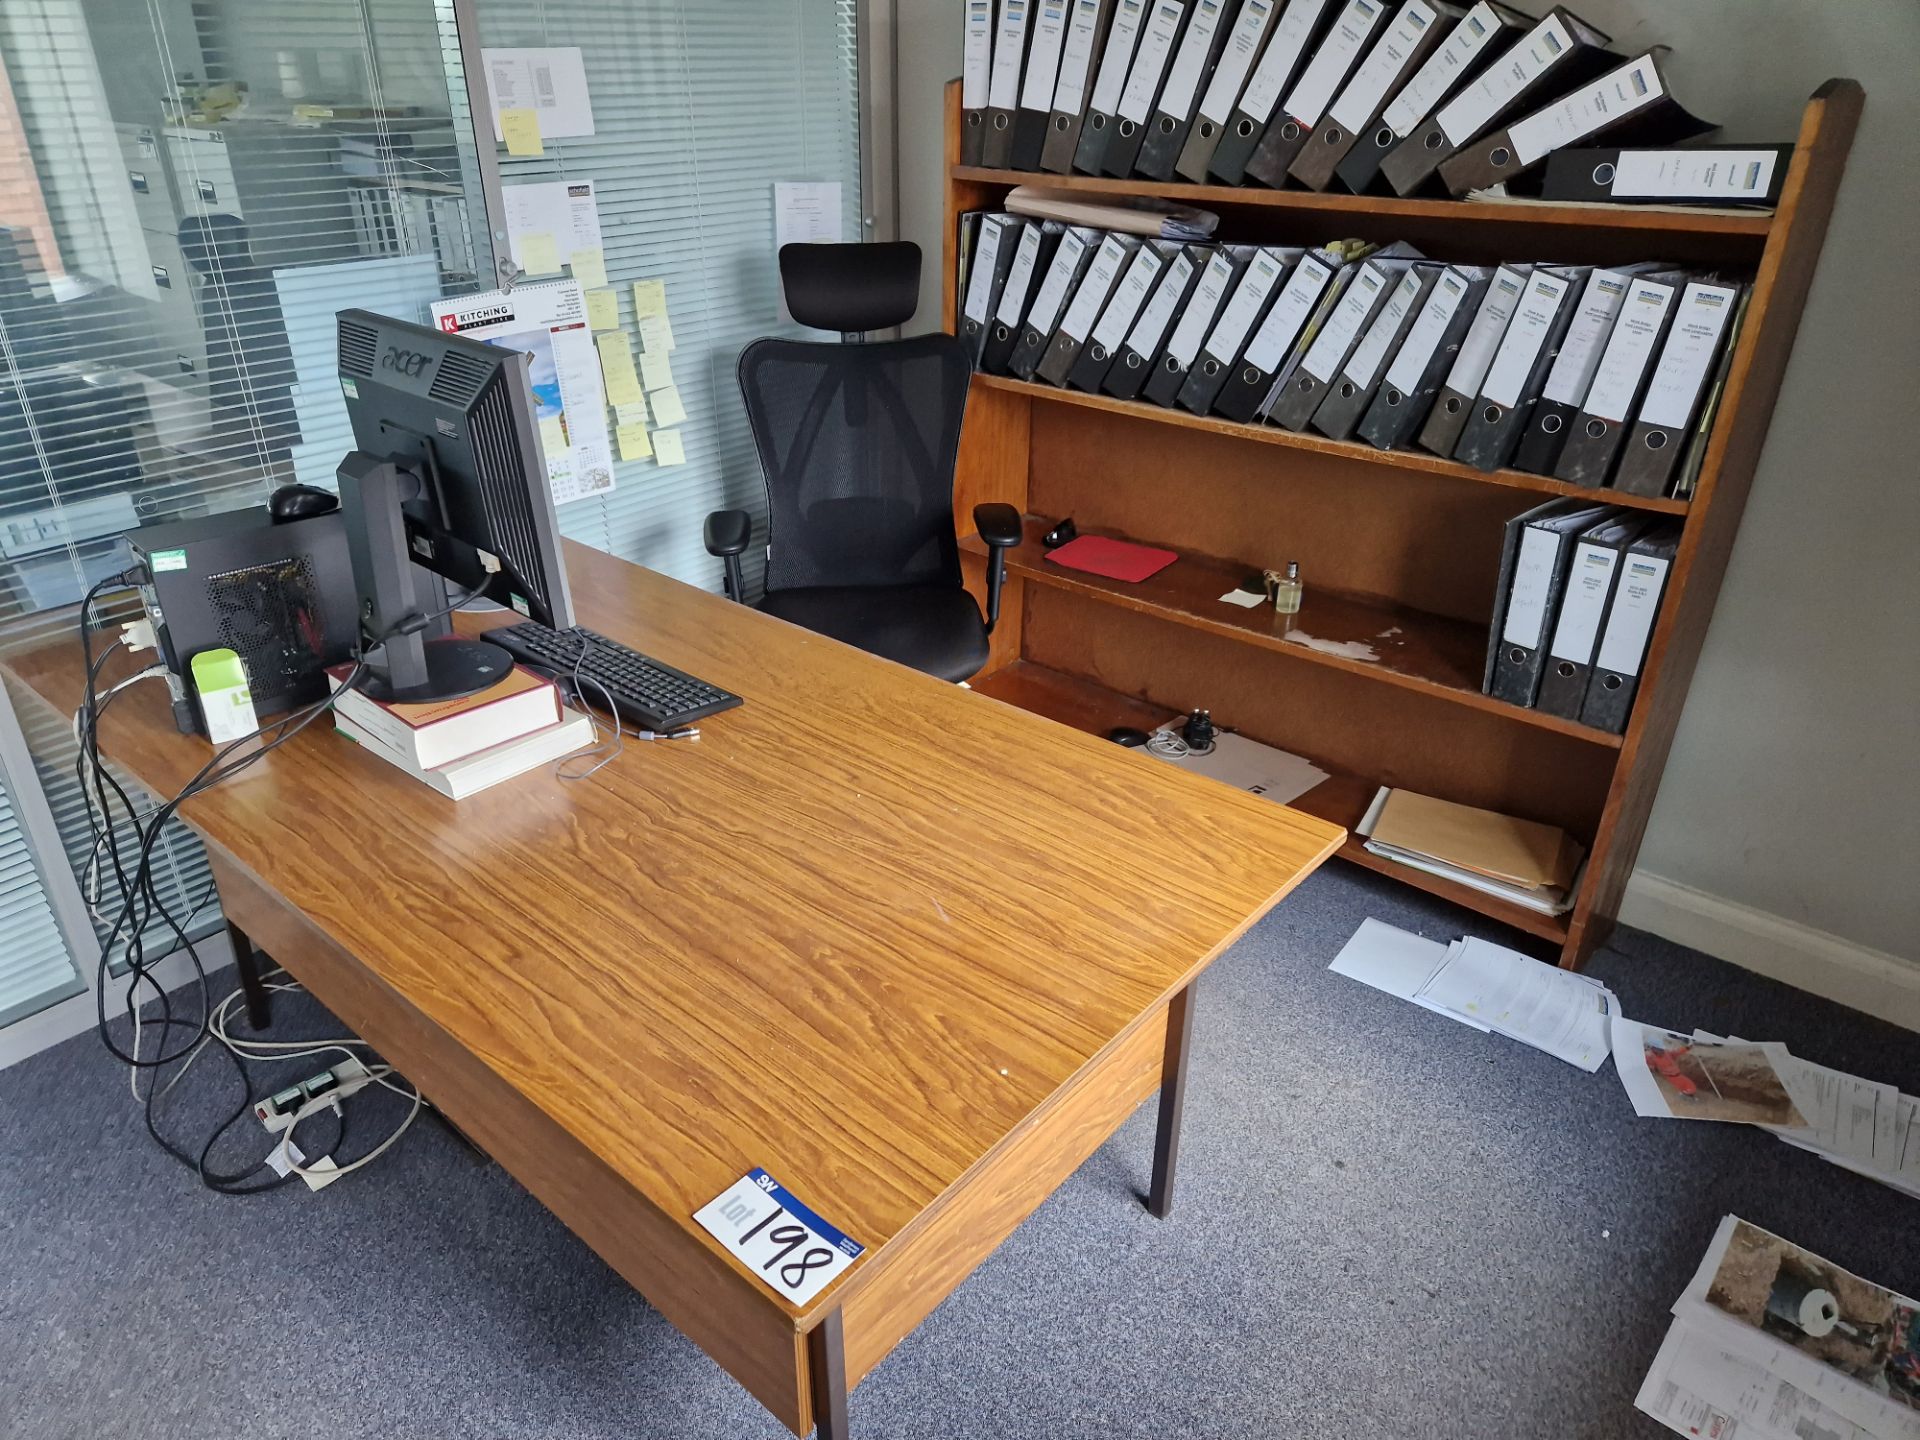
<point x="1115" y="559"/>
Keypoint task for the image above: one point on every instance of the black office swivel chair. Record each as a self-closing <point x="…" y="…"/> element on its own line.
<point x="857" y="443"/>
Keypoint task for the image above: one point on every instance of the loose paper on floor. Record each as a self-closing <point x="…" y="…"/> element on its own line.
<point x="549" y="322"/>
<point x="1670" y="1076"/>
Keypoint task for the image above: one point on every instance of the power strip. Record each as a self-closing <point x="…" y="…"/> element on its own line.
<point x="277" y="1111"/>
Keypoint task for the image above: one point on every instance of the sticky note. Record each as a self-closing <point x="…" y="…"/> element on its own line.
<point x="616" y="369"/>
<point x="656" y="334"/>
<point x="521" y="130"/>
<point x="656" y="370"/>
<point x="589" y="267"/>
<point x="553" y="435"/>
<point x="666" y="406"/>
<point x="667" y="448"/>
<point x="634" y="444"/>
<point x="603" y="309"/>
<point x="649" y="298"/>
<point x="539" y="255"/>
<point x="630" y="414"/>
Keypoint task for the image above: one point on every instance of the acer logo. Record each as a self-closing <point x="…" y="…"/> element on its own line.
<point x="407" y="362"/>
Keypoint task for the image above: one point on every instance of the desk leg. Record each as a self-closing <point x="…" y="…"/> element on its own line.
<point x="827" y="1365"/>
<point x="246" y="960"/>
<point x="1173" y="1096"/>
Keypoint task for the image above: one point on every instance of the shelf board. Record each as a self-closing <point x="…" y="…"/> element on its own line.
<point x="1417" y="460"/>
<point x="1341" y="799"/>
<point x="1659" y="219"/>
<point x="1433" y="654"/>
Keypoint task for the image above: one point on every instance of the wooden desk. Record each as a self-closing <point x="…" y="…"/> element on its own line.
<point x="913" y="951"/>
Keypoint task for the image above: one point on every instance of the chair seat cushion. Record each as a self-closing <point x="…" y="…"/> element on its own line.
<point x="933" y="628"/>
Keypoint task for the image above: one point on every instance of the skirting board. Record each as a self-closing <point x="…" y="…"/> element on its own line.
<point x="1882" y="985"/>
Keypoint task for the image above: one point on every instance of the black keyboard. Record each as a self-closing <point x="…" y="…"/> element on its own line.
<point x="650" y="696"/>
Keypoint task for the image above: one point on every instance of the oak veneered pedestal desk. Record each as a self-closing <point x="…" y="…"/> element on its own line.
<point x="914" y="952"/>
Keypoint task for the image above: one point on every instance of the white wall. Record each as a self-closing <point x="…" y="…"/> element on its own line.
<point x="1793" y="793"/>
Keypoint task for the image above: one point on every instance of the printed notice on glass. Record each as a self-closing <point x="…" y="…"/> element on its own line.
<point x="805" y="212"/>
<point x="552" y="83"/>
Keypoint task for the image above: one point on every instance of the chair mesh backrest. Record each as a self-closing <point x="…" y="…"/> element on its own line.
<point x="857" y="443"/>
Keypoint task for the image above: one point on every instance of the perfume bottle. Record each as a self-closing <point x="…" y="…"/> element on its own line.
<point x="1286" y="588"/>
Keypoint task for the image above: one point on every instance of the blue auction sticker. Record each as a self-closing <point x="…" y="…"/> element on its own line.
<point x="852" y="1249"/>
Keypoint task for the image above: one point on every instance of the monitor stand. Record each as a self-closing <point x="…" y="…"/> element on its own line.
<point x="408" y="668"/>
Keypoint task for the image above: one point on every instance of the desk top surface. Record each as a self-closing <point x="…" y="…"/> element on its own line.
<point x="854" y="934"/>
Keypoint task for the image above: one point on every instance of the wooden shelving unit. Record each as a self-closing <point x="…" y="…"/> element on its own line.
<point x="1377" y="679"/>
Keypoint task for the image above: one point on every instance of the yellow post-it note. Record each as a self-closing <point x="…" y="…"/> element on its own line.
<point x="656" y="334"/>
<point x="649" y="298"/>
<point x="603" y="309"/>
<point x="666" y="406"/>
<point x="589" y="267"/>
<point x="634" y="444"/>
<point x="616" y="369"/>
<point x="553" y="435"/>
<point x="668" y="449"/>
<point x="656" y="371"/>
<point x="630" y="414"/>
<point x="521" y="130"/>
<point x="539" y="254"/>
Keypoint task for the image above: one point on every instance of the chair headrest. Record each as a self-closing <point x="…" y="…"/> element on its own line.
<point x="851" y="287"/>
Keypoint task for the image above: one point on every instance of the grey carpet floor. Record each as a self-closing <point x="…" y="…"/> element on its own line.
<point x="1388" y="1225"/>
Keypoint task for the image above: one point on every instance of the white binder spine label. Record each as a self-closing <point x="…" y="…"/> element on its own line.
<point x="1053" y="289"/>
<point x="1632" y="87"/>
<point x="1629" y="349"/>
<point x="1192" y="325"/>
<point x="1093" y="290"/>
<point x="1330" y="347"/>
<point x="1483" y="336"/>
<point x="1584" y="602"/>
<point x="1723" y="174"/>
<point x="1532" y="578"/>
<point x="1442" y="68"/>
<point x="1332" y="60"/>
<point x="1368" y="88"/>
<point x="1118" y="55"/>
<point x="1243" y="43"/>
<point x="1473" y="109"/>
<point x="1183" y="80"/>
<point x="1144" y="341"/>
<point x="1520" y="347"/>
<point x="1076" y="57"/>
<point x="1364" y="363"/>
<point x="1423" y="338"/>
<point x="1136" y="103"/>
<point x="978" y="55"/>
<point x="1270" y="76"/>
<point x="1043" y="61"/>
<point x="1224" y="343"/>
<point x="986" y="256"/>
<point x="1009" y="50"/>
<point x="1579" y="357"/>
<point x="1697" y="325"/>
<point x="1281" y="328"/>
<point x="1128" y="297"/>
<point x="1019" y="277"/>
<point x="1625" y="645"/>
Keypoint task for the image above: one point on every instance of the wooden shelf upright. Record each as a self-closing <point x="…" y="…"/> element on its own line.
<point x="1378" y="678"/>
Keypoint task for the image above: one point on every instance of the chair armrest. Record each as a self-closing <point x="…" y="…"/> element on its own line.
<point x="998" y="525"/>
<point x="728" y="532"/>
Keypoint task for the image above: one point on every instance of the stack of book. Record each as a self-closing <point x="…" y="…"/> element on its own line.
<point x="1529" y="864"/>
<point x="1358" y="95"/>
<point x="1601" y="376"/>
<point x="461" y="747"/>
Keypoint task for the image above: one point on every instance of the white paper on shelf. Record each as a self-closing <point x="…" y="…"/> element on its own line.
<point x="1076" y="57"/>
<point x="1281" y="327"/>
<point x="976" y="55"/>
<point x="1243" y="45"/>
<point x="1117" y="58"/>
<point x="1282" y="54"/>
<point x="1183" y="79"/>
<point x="1692" y="341"/>
<point x="1332" y="60"/>
<point x="1230" y="331"/>
<point x="1013" y="295"/>
<point x="1128" y="296"/>
<point x="1368" y="87"/>
<point x="1520" y="346"/>
<point x="1426" y="332"/>
<point x="1144" y="339"/>
<point x="1191" y="328"/>
<point x="1372" y="349"/>
<point x="1489" y="327"/>
<point x="1437" y="73"/>
<point x="1580" y="350"/>
<point x="1629" y="349"/>
<point x="1273" y="774"/>
<point x="1474" y="108"/>
<point x="1567" y="121"/>
<point x="1336" y="337"/>
<point x="1043" y="56"/>
<point x="1009" y="52"/>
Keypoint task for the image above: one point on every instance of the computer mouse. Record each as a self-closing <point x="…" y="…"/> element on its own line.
<point x="301" y="502"/>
